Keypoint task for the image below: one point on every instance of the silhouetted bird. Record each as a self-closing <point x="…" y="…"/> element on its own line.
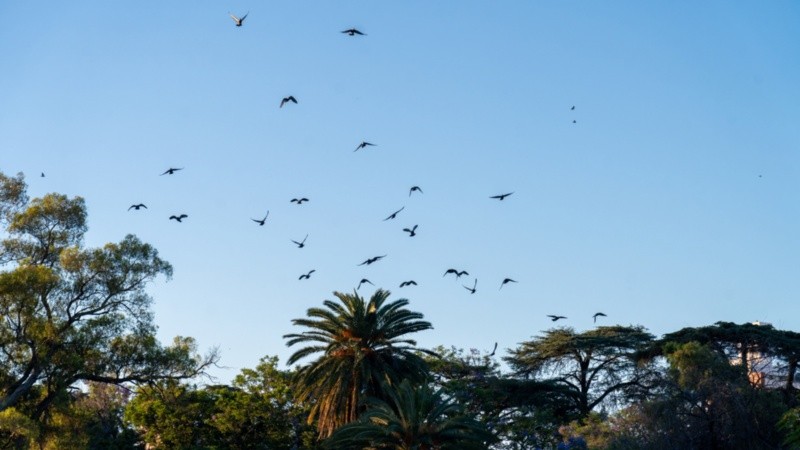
<point x="363" y="280"/>
<point x="299" y="201"/>
<point x="353" y="32"/>
<point x="262" y="221"/>
<point x="472" y="289"/>
<point x="596" y="315"/>
<point x="573" y="108"/>
<point x="238" y="20"/>
<point x="494" y="349"/>
<point x="372" y="260"/>
<point x="137" y="207"/>
<point x="455" y="272"/>
<point x="414" y="188"/>
<point x="394" y="214"/>
<point x="364" y="144"/>
<point x="302" y="243"/>
<point x="43" y="175"/>
<point x="507" y="280"/>
<point x="411" y="232"/>
<point x="288" y="99"/>
<point x="307" y="275"/>
<point x="178" y="218"/>
<point x="574" y="121"/>
<point x="408" y="283"/>
<point x="554" y="318"/>
<point x="501" y="197"/>
<point x="171" y="171"/>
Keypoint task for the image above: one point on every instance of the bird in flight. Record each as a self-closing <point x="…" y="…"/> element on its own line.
<point x="554" y="318"/>
<point x="307" y="275"/>
<point x="353" y="32"/>
<point x="472" y="289"/>
<point x="414" y="188"/>
<point x="287" y="100"/>
<point x="42" y="174"/>
<point x="574" y="121"/>
<point x="573" y="108"/>
<point x="364" y="144"/>
<point x="178" y="218"/>
<point x="596" y="315"/>
<point x="171" y="171"/>
<point x="299" y="201"/>
<point x="363" y="280"/>
<point x="394" y="214"/>
<point x="501" y="197"/>
<point x="238" y="20"/>
<point x="408" y="283"/>
<point x="494" y="349"/>
<point x="456" y="272"/>
<point x="262" y="221"/>
<point x="302" y="243"/>
<point x="137" y="207"/>
<point x="372" y="260"/>
<point x="411" y="231"/>
<point x="505" y="281"/>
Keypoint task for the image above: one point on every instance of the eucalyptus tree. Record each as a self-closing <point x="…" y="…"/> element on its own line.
<point x="70" y="314"/>
<point x="361" y="347"/>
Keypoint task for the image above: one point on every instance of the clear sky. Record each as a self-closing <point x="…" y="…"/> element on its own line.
<point x="672" y="201"/>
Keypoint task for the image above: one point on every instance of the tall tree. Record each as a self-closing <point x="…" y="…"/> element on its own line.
<point x="363" y="346"/>
<point x="69" y="314"/>
<point x="594" y="366"/>
<point x="412" y="418"/>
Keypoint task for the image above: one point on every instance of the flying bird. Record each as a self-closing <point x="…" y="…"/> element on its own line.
<point x="364" y="144"/>
<point x="408" y="283"/>
<point x="574" y="121"/>
<point x="472" y="289"/>
<point x="302" y="243"/>
<point x="171" y="171"/>
<point x="299" y="201"/>
<point x="573" y="108"/>
<point x="42" y="174"/>
<point x="505" y="281"/>
<point x="287" y="100"/>
<point x="238" y="20"/>
<point x="494" y="349"/>
<point x="137" y="207"/>
<point x="596" y="315"/>
<point x="372" y="260"/>
<point x="307" y="275"/>
<point x="501" y="197"/>
<point x="412" y="231"/>
<point x="414" y="188"/>
<point x="178" y="218"/>
<point x="363" y="280"/>
<point x="456" y="272"/>
<point x="394" y="214"/>
<point x="554" y="318"/>
<point x="262" y="221"/>
<point x="353" y="32"/>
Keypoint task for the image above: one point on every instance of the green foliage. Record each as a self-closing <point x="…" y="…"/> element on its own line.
<point x="411" y="418"/>
<point x="256" y="412"/>
<point x="364" y="347"/>
<point x="72" y="315"/>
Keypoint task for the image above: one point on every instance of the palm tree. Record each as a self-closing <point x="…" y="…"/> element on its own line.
<point x="414" y="418"/>
<point x="363" y="346"/>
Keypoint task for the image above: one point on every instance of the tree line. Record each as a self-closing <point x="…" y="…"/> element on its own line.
<point x="80" y="367"/>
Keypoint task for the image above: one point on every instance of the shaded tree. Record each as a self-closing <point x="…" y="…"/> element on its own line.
<point x="363" y="346"/>
<point x="411" y="418"/>
<point x="594" y="367"/>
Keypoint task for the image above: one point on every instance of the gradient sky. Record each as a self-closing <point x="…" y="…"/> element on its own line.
<point x="671" y="202"/>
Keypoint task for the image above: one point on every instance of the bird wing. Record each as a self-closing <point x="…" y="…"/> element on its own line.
<point x="131" y="207"/>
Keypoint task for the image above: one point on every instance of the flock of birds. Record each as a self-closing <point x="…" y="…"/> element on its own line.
<point x="412" y="231"/>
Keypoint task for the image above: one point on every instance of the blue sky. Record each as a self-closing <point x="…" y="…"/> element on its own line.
<point x="671" y="202"/>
